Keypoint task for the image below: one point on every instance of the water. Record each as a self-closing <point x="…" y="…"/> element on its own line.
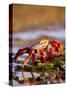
<point x="33" y="35"/>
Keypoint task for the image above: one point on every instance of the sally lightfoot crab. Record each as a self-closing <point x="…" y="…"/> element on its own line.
<point x="44" y="50"/>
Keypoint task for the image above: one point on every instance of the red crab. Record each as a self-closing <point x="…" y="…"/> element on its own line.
<point x="44" y="49"/>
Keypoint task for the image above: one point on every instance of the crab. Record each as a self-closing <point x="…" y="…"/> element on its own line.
<point x="44" y="50"/>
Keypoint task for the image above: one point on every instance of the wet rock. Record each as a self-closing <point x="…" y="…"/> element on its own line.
<point x="62" y="66"/>
<point x="38" y="79"/>
<point x="18" y="68"/>
<point x="46" y="74"/>
<point x="47" y="82"/>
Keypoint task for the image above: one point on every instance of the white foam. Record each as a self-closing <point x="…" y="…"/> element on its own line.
<point x="35" y="34"/>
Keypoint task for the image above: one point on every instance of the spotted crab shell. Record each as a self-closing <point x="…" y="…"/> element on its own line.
<point x="42" y="44"/>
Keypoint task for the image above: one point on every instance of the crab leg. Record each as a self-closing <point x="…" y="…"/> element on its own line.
<point x="58" y="46"/>
<point x="20" y="52"/>
<point x="43" y="55"/>
<point x="29" y="57"/>
<point x="32" y="53"/>
<point x="34" y="59"/>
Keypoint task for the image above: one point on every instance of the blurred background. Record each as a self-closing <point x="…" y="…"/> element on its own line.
<point x="31" y="23"/>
